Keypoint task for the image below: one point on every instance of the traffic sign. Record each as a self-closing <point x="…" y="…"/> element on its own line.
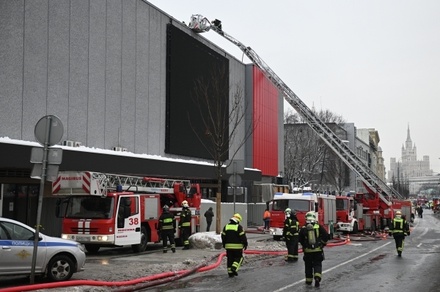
<point x="49" y="129"/>
<point x="51" y="172"/>
<point x="235" y="180"/>
<point x="54" y="155"/>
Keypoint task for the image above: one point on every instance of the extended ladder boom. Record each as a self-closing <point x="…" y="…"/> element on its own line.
<point x="199" y="23"/>
<point x="96" y="183"/>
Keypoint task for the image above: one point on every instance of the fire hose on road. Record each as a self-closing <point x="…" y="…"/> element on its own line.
<point x="166" y="277"/>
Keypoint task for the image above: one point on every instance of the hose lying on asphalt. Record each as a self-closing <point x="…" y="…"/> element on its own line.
<point x="152" y="280"/>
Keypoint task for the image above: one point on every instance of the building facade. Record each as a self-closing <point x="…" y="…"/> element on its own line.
<point x="408" y="168"/>
<point x="120" y="76"/>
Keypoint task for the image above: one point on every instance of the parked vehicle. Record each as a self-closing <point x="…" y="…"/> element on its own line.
<point x="57" y="258"/>
<point x="107" y="210"/>
<point x="324" y="207"/>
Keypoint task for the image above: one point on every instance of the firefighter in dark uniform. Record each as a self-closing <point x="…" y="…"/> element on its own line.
<point x="399" y="229"/>
<point x="167" y="228"/>
<point x="185" y="224"/>
<point x="234" y="240"/>
<point x="290" y="234"/>
<point x="313" y="237"/>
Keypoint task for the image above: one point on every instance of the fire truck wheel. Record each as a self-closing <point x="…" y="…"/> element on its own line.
<point x="144" y="241"/>
<point x="92" y="248"/>
<point x="60" y="268"/>
<point x="355" y="228"/>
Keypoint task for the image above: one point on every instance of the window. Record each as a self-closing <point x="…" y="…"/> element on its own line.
<point x="15" y="232"/>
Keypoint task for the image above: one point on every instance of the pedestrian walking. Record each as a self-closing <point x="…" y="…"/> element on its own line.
<point x="399" y="229"/>
<point x="167" y="228"/>
<point x="291" y="234"/>
<point x="234" y="240"/>
<point x="313" y="237"/>
<point x="266" y="219"/>
<point x="420" y="211"/>
<point x="208" y="215"/>
<point x="185" y="224"/>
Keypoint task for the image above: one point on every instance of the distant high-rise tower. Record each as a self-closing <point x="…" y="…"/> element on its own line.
<point x="408" y="166"/>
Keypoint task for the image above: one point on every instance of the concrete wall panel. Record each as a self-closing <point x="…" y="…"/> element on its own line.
<point x="142" y="95"/>
<point x="35" y="65"/>
<point x="96" y="82"/>
<point x="128" y="90"/>
<point x="11" y="68"/>
<point x="58" y="61"/>
<point x="76" y="128"/>
<point x="112" y="124"/>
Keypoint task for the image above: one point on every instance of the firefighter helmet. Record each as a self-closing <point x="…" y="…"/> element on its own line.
<point x="288" y="211"/>
<point x="166" y="208"/>
<point x="310" y="217"/>
<point x="398" y="213"/>
<point x="236" y="218"/>
<point x="185" y="204"/>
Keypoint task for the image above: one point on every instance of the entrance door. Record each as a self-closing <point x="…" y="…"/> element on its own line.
<point x="20" y="202"/>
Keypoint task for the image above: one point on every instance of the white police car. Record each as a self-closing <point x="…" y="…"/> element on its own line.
<point x="57" y="258"/>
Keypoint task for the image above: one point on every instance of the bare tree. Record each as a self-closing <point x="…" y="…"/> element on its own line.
<point x="222" y="111"/>
<point x="308" y="160"/>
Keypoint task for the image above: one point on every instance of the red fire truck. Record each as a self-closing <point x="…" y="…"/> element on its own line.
<point x="324" y="207"/>
<point x="105" y="210"/>
<point x="347" y="215"/>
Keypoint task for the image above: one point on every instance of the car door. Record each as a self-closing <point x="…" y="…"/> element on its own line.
<point x="17" y="249"/>
<point x="128" y="228"/>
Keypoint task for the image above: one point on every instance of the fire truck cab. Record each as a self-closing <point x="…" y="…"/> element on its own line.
<point x="347" y="214"/>
<point x="107" y="210"/>
<point x="323" y="205"/>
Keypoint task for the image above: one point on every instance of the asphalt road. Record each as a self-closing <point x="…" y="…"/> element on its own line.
<point x="359" y="266"/>
<point x="362" y="265"/>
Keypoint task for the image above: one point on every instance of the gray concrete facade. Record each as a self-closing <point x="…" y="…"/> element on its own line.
<point x="100" y="66"/>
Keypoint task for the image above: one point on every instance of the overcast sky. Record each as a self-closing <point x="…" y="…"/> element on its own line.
<point x="376" y="63"/>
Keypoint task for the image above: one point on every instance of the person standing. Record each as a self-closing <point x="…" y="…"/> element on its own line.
<point x="290" y="234"/>
<point x="167" y="228"/>
<point x="208" y="215"/>
<point x="399" y="229"/>
<point x="185" y="224"/>
<point x="266" y="219"/>
<point x="420" y="211"/>
<point x="313" y="237"/>
<point x="234" y="240"/>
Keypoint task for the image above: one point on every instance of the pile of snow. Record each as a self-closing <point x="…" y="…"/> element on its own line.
<point x="202" y="240"/>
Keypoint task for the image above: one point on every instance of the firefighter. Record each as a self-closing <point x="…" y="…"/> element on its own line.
<point x="290" y="234"/>
<point x="313" y="237"/>
<point x="234" y="240"/>
<point x="399" y="229"/>
<point x="167" y="227"/>
<point x="185" y="224"/>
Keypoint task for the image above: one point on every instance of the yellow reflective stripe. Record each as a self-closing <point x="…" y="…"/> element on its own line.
<point x="186" y="224"/>
<point x="233" y="245"/>
<point x="168" y="220"/>
<point x="233" y="227"/>
<point x="312" y="250"/>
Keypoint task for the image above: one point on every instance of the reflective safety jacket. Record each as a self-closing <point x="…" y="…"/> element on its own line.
<point x="320" y="238"/>
<point x="291" y="227"/>
<point x="233" y="236"/>
<point x="185" y="218"/>
<point x="399" y="226"/>
<point x="166" y="221"/>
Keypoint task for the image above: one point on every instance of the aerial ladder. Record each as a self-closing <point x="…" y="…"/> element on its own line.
<point x="199" y="24"/>
<point x="96" y="183"/>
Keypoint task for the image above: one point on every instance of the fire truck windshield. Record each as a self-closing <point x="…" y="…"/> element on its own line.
<point x="341" y="204"/>
<point x="298" y="205"/>
<point x="89" y="207"/>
